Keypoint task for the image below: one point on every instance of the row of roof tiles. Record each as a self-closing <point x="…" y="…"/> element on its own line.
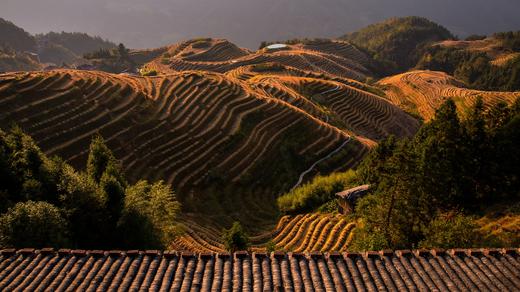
<point x="239" y="254"/>
<point x="152" y="270"/>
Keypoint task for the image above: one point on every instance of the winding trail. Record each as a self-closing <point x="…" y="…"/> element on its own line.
<point x="302" y="175"/>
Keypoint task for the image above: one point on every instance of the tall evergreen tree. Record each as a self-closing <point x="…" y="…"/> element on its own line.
<point x="104" y="169"/>
<point x="441" y="155"/>
<point x="478" y="150"/>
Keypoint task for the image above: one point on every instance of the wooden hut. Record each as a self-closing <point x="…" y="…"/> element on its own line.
<point x="347" y="198"/>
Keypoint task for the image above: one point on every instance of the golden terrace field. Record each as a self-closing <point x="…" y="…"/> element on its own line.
<point x="301" y="233"/>
<point x="422" y="92"/>
<point x="194" y="130"/>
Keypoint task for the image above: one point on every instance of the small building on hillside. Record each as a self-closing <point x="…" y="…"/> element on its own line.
<point x="347" y="199"/>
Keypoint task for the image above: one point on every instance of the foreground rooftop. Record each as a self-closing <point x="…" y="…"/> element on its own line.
<point x="95" y="270"/>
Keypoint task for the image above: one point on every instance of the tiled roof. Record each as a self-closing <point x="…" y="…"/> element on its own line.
<point x="79" y="270"/>
<point x="354" y="192"/>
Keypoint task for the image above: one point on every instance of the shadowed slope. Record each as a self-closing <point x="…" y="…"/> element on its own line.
<point x="211" y="137"/>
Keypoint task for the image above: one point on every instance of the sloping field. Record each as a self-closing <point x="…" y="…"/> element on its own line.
<point x="422" y="92"/>
<point x="491" y="46"/>
<point x="210" y="136"/>
<point x="342" y="105"/>
<point x="338" y="48"/>
<point x="222" y="56"/>
<point x="301" y="233"/>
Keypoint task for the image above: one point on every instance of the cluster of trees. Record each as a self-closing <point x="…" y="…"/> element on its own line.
<point x="474" y="68"/>
<point x="432" y="190"/>
<point x="398" y="43"/>
<point x="510" y="40"/>
<point x="114" y="60"/>
<point x="44" y="202"/>
<point x="315" y="193"/>
<point x="428" y="188"/>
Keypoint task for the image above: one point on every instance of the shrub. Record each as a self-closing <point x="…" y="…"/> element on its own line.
<point x="149" y="215"/>
<point x="451" y="231"/>
<point x="314" y="194"/>
<point x="149" y="72"/>
<point x="33" y="224"/>
<point x="270" y="246"/>
<point x="235" y="239"/>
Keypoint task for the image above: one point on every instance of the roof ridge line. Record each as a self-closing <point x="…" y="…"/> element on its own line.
<point x="275" y="254"/>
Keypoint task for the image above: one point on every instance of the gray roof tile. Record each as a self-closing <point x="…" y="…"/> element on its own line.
<point x="152" y="270"/>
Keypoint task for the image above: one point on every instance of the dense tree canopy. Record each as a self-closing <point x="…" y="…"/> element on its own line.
<point x="450" y="167"/>
<point x="398" y="43"/>
<point x="45" y="202"/>
<point x="33" y="224"/>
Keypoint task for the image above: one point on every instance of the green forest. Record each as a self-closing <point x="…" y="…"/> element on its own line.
<point x="397" y="44"/>
<point x="44" y="202"/>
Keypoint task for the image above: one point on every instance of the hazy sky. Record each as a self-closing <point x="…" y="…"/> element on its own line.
<point x="152" y="23"/>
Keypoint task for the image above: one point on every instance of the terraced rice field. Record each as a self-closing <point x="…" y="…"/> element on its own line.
<point x="196" y="130"/>
<point x="232" y="129"/>
<point x="222" y="56"/>
<point x="353" y="109"/>
<point x="424" y="91"/>
<point x="301" y="233"/>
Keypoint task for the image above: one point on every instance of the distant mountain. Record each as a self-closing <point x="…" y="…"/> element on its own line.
<point x="78" y="43"/>
<point x="399" y="42"/>
<point x="154" y="23"/>
<point x="15" y="37"/>
<point x="52" y="47"/>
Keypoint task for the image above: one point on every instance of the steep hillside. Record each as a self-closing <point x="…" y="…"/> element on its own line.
<point x="222" y="56"/>
<point x="68" y="48"/>
<point x="15" y="37"/>
<point x="397" y="42"/>
<point x="78" y="43"/>
<point x="211" y="137"/>
<point x="422" y="92"/>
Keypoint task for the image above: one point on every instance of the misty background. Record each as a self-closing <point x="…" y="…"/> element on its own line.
<point x="153" y="23"/>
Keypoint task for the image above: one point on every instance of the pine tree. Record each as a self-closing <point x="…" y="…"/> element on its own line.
<point x="103" y="168"/>
<point x="478" y="149"/>
<point x="235" y="239"/>
<point x="441" y="155"/>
